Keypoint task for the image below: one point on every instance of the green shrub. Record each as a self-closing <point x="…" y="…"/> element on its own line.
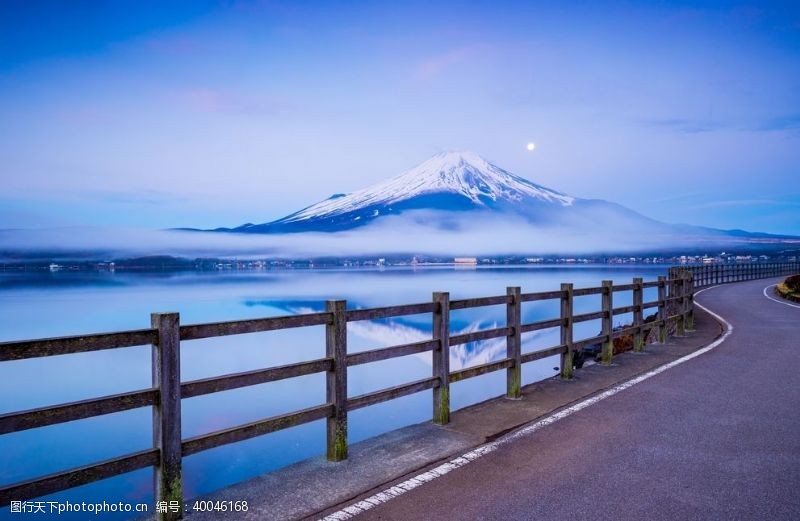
<point x="793" y="283"/>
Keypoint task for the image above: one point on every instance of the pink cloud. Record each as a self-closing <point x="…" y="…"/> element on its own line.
<point x="434" y="65"/>
<point x="219" y="100"/>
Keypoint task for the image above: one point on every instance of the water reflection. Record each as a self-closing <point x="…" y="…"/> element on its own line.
<point x="403" y="330"/>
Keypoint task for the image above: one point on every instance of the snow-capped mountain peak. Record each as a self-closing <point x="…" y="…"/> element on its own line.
<point x="458" y="173"/>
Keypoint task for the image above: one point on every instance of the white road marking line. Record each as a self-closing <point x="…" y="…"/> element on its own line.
<point x="776" y="300"/>
<point x="412" y="483"/>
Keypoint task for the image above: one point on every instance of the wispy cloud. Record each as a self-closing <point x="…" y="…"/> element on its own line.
<point x="742" y="203"/>
<point x="790" y="122"/>
<point x="141" y="197"/>
<point x="787" y="122"/>
<point x="685" y="126"/>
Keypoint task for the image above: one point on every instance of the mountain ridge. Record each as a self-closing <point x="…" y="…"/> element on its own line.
<point x="463" y="185"/>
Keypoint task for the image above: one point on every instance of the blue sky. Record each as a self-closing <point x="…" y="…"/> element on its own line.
<point x="204" y="114"/>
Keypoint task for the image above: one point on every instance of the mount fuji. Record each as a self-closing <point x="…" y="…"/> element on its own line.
<point x="460" y="189"/>
<point x="450" y="183"/>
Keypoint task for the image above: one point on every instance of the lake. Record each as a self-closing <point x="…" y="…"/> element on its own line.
<point x="44" y="304"/>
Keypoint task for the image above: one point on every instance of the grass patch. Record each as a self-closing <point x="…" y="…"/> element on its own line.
<point x="789" y="289"/>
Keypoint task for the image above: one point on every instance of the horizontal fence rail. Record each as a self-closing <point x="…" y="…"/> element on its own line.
<point x="712" y="274"/>
<point x="673" y="314"/>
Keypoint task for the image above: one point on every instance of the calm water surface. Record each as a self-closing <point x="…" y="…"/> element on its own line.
<point x="67" y="303"/>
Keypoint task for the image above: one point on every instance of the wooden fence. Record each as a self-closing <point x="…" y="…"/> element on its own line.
<point x="712" y="274"/>
<point x="674" y="305"/>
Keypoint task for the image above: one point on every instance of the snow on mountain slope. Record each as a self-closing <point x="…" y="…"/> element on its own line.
<point x="464" y="174"/>
<point x="457" y="187"/>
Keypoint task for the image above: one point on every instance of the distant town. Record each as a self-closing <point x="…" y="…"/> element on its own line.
<point x="169" y="263"/>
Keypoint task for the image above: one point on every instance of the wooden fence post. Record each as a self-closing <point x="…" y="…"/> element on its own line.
<point x="514" y="342"/>
<point x="662" y="309"/>
<point x="608" y="321"/>
<point x="566" y="330"/>
<point x="336" y="379"/>
<point x="690" y="301"/>
<point x="638" y="337"/>
<point x="441" y="358"/>
<point x="166" y="357"/>
<point x="681" y="306"/>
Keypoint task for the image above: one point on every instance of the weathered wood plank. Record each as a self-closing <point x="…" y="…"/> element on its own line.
<point x="354" y="315"/>
<point x="624" y="309"/>
<point x="56" y="482"/>
<point x="365" y="400"/>
<point x="567" y="367"/>
<point x="608" y="321"/>
<point x="542" y="295"/>
<point x="477" y="370"/>
<point x="257" y="428"/>
<point x="514" y="342"/>
<point x="651" y="304"/>
<point x="22" y="349"/>
<point x="166" y="357"/>
<point x="484" y="334"/>
<point x="51" y="415"/>
<point x="543" y="353"/>
<point x="336" y="379"/>
<point x="478" y="302"/>
<point x="680" y="292"/>
<point x="227" y="382"/>
<point x="441" y="358"/>
<point x="638" y="316"/>
<point x="580" y="344"/>
<point x="588" y="316"/>
<point x="662" y="309"/>
<point x="690" y="301"/>
<point x="385" y="353"/>
<point x="624" y="287"/>
<point x="256" y="325"/>
<point x="542" y="324"/>
<point x="581" y="292"/>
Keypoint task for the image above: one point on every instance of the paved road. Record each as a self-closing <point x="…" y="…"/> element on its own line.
<point x="717" y="437"/>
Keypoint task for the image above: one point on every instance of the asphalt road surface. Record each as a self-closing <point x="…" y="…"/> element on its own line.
<point x="717" y="437"/>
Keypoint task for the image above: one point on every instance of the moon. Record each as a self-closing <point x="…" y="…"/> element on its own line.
<point x="530" y="146"/>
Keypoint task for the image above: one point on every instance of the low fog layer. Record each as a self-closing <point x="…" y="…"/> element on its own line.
<point x="452" y="234"/>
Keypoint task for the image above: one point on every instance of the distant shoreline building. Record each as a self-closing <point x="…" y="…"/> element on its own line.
<point x="465" y="261"/>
